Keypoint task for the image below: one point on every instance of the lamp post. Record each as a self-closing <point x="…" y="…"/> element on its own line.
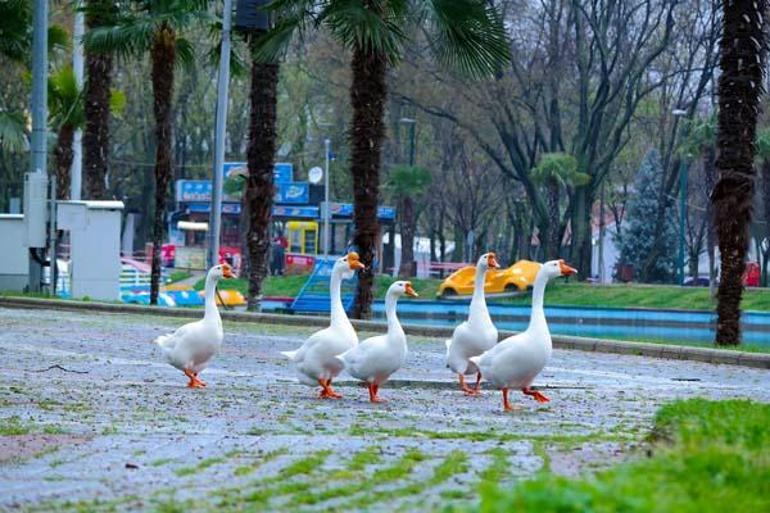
<point x="412" y="123"/>
<point x="679" y="113"/>
<point x="327" y="210"/>
<point x="215" y="216"/>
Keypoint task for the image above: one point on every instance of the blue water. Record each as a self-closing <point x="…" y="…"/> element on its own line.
<point x="664" y="325"/>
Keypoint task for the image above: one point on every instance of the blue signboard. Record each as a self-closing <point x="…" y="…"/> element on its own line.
<point x="283" y="172"/>
<point x="346" y="210"/>
<point x="293" y="193"/>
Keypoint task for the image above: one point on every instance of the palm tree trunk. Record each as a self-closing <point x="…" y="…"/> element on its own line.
<point x="406" y="269"/>
<point x="163" y="54"/>
<point x="63" y="156"/>
<point x="740" y="86"/>
<point x="553" y="242"/>
<point x="259" y="187"/>
<point x="96" y="107"/>
<point x="368" y="93"/>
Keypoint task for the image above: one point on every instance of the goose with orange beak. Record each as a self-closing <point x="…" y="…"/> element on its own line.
<point x="477" y="334"/>
<point x="191" y="347"/>
<point x="515" y="362"/>
<point x="315" y="361"/>
<point x="375" y="359"/>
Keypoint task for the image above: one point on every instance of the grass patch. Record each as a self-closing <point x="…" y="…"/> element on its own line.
<point x="707" y="456"/>
<point x="13" y="426"/>
<point x="178" y="276"/>
<point x="200" y="467"/>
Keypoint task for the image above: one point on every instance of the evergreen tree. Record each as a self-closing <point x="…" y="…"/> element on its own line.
<point x="639" y="233"/>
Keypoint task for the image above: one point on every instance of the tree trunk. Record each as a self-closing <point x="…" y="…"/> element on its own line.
<point x="63" y="156"/>
<point x="163" y="54"/>
<point x="259" y="187"/>
<point x="739" y="88"/>
<point x="406" y="269"/>
<point x="553" y="243"/>
<point x="580" y="250"/>
<point x="96" y="108"/>
<point x="367" y="94"/>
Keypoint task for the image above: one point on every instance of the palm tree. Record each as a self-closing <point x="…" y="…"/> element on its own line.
<point x="408" y="183"/>
<point x="261" y="161"/>
<point x="99" y="14"/>
<point x="465" y="34"/>
<point x="554" y="171"/>
<point x="65" y="108"/>
<point x="763" y="154"/>
<point x="739" y="90"/>
<point x="147" y="26"/>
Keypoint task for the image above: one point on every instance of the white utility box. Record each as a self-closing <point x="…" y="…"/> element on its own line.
<point x="14" y="258"/>
<point x="94" y="228"/>
<point x="35" y="209"/>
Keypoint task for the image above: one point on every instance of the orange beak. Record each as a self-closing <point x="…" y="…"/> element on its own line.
<point x="354" y="261"/>
<point x="492" y="261"/>
<point x="410" y="291"/>
<point x="227" y="272"/>
<point x="566" y="270"/>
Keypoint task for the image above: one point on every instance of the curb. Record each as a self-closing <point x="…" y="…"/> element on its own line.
<point x="669" y="352"/>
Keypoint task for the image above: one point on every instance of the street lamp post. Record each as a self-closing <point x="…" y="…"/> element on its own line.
<point x="679" y="113"/>
<point x="215" y="216"/>
<point x="327" y="210"/>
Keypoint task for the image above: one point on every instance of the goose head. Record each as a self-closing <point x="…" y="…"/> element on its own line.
<point x="222" y="271"/>
<point x="488" y="261"/>
<point x="555" y="268"/>
<point x="402" y="288"/>
<point x="348" y="265"/>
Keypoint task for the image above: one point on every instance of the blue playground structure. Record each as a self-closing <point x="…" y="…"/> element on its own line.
<point x="314" y="297"/>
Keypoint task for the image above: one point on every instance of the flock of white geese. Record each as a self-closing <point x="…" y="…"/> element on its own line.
<point x="510" y="364"/>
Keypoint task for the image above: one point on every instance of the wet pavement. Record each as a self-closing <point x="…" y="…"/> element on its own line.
<point x="91" y="419"/>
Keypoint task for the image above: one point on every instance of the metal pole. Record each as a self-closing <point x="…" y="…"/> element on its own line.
<point x="40" y="87"/>
<point x="327" y="210"/>
<point x="76" y="171"/>
<point x="682" y="217"/>
<point x="215" y="217"/>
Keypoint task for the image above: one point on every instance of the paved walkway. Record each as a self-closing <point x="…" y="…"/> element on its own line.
<point x="113" y="428"/>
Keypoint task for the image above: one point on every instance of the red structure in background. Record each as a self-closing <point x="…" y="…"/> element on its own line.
<point x="751" y="275"/>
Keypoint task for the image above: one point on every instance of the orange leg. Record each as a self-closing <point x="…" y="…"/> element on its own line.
<point x="537" y="396"/>
<point x="202" y="383"/>
<point x="194" y="381"/>
<point x="465" y="388"/>
<point x="373" y="389"/>
<point x="326" y="390"/>
<point x="506" y="405"/>
<point x="477" y="388"/>
<point x="335" y="395"/>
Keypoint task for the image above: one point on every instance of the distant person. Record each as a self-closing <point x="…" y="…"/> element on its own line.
<point x="279" y="255"/>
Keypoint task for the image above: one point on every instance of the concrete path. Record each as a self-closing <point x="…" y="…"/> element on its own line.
<point x="91" y="419"/>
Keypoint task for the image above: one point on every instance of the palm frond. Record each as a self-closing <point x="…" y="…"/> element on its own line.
<point x="58" y="38"/>
<point x="270" y="46"/>
<point x="117" y="102"/>
<point x="185" y="53"/>
<point x="378" y="29"/>
<point x="12" y="134"/>
<point x="467" y="35"/>
<point x="130" y="37"/>
<point x="15" y="29"/>
<point x="65" y="100"/>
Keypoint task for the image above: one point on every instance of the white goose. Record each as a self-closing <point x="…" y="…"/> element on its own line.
<point x="315" y="360"/>
<point x="475" y="335"/>
<point x="376" y="358"/>
<point x="191" y="347"/>
<point x="517" y="360"/>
